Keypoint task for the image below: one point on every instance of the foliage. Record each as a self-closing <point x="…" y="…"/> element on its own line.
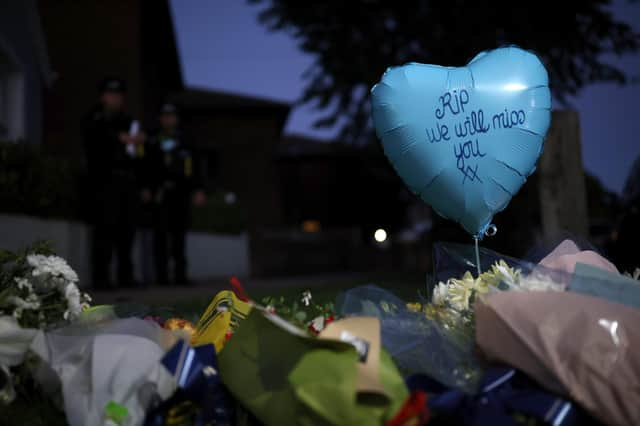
<point x="219" y="216"/>
<point x="353" y="42"/>
<point x="603" y="205"/>
<point x="304" y="313"/>
<point x="36" y="183"/>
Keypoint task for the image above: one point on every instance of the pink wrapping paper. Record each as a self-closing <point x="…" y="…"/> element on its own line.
<point x="576" y="345"/>
<point x="565" y="256"/>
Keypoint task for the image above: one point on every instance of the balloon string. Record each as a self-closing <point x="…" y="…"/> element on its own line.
<point x="477" y="256"/>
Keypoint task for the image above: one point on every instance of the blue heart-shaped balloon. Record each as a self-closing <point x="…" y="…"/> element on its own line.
<point x="465" y="139"/>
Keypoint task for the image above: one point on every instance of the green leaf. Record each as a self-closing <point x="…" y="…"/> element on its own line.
<point x="300" y="316"/>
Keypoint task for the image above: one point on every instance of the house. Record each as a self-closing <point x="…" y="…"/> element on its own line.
<point x="239" y="137"/>
<point x="25" y="71"/>
<point x="89" y="40"/>
<point x="339" y="185"/>
<point x="334" y="197"/>
<point x="54" y="52"/>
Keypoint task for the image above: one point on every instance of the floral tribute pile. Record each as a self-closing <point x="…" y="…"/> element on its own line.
<point x="518" y="344"/>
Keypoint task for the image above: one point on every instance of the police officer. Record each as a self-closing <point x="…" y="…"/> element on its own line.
<point x="113" y="147"/>
<point x="176" y="187"/>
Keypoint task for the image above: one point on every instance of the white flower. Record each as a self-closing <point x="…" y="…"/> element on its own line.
<point x="538" y="282"/>
<point x="502" y="273"/>
<point x="23" y="284"/>
<point x="306" y="297"/>
<point x="51" y="265"/>
<point x="71" y="291"/>
<point x="440" y="293"/>
<point x="30" y="303"/>
<point x="506" y="275"/>
<point x="74" y="303"/>
<point x="461" y="292"/>
<point x="458" y="295"/>
<point x="453" y="293"/>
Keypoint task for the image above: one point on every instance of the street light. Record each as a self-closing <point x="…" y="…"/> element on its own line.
<point x="380" y="235"/>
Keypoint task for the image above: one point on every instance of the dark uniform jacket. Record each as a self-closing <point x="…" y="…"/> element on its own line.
<point x="105" y="154"/>
<point x="171" y="169"/>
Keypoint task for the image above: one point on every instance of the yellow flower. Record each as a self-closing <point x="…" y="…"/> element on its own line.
<point x="459" y="294"/>
<point x="389" y="308"/>
<point x="461" y="291"/>
<point x="444" y="315"/>
<point x="414" y="307"/>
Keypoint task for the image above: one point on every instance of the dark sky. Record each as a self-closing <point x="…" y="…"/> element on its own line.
<point x="222" y="46"/>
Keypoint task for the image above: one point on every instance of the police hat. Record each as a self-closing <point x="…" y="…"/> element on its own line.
<point x="112" y="84"/>
<point x="168" y="108"/>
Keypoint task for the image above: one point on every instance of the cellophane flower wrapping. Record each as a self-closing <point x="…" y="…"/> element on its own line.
<point x="571" y="344"/>
<point x="416" y="343"/>
<point x="93" y="364"/>
<point x="578" y="342"/>
<point x="435" y="335"/>
<point x="454" y="260"/>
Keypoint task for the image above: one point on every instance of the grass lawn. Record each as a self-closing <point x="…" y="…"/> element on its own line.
<point x="406" y="287"/>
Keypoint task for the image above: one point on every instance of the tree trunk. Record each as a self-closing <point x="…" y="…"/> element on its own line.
<point x="562" y="184"/>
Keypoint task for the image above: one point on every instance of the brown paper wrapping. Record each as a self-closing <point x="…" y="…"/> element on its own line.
<point x="580" y="346"/>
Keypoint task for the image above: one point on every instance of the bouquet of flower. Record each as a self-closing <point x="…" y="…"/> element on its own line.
<point x="452" y="302"/>
<point x="39" y="289"/>
<point x="437" y="336"/>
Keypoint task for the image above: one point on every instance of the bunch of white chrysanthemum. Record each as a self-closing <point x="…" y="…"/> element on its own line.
<point x="502" y="274"/>
<point x="45" y="293"/>
<point x="458" y="293"/>
<point x="53" y="272"/>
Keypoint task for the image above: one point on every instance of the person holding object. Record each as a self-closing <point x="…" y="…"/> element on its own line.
<point x="113" y="146"/>
<point x="176" y="187"/>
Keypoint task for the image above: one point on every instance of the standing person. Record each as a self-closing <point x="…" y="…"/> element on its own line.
<point x="113" y="147"/>
<point x="176" y="187"/>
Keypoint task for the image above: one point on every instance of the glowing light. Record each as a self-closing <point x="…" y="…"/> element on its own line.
<point x="311" y="226"/>
<point x="380" y="235"/>
<point x="514" y="87"/>
<point x="230" y="198"/>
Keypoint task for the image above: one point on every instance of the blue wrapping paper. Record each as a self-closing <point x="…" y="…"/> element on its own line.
<point x="201" y="398"/>
<point x="503" y="394"/>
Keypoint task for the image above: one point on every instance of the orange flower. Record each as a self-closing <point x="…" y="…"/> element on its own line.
<point x="180" y="324"/>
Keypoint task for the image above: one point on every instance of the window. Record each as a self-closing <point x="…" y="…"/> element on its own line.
<point x="11" y="97"/>
<point x="4" y="115"/>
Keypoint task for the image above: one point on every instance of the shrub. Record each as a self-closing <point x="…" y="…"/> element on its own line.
<point x="218" y="216"/>
<point x="36" y="183"/>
